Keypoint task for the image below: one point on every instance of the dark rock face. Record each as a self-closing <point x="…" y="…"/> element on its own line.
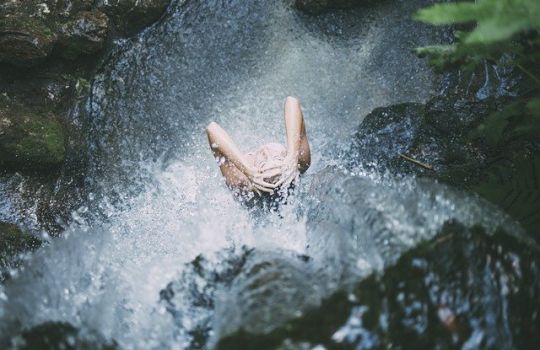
<point x="25" y="42"/>
<point x="129" y="16"/>
<point x="61" y="335"/>
<point x="31" y="31"/>
<point x="464" y="288"/>
<point x="319" y="6"/>
<point x="14" y="243"/>
<point x="85" y="34"/>
<point x="438" y="135"/>
<point x="29" y="141"/>
<point x="49" y="50"/>
<point x="434" y="133"/>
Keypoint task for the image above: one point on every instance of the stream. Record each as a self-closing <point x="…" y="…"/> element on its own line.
<point x="156" y="201"/>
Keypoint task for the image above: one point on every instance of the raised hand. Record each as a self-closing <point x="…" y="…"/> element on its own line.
<point x="289" y="172"/>
<point x="258" y="182"/>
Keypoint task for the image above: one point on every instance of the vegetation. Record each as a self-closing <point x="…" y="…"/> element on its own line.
<point x="504" y="28"/>
<point x="503" y="33"/>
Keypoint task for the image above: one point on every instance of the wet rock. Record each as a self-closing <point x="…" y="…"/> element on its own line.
<point x="25" y="41"/>
<point x="29" y="141"/>
<point x="85" y="34"/>
<point x="61" y="335"/>
<point x="49" y="50"/>
<point x="437" y="140"/>
<point x="244" y="289"/>
<point x="13" y="241"/>
<point x="462" y="289"/>
<point x="32" y="31"/>
<point x="190" y="299"/>
<point x="130" y="16"/>
<point x="435" y="134"/>
<point x="319" y="6"/>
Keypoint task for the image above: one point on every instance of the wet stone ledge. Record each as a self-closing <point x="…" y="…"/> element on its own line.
<point x="462" y="289"/>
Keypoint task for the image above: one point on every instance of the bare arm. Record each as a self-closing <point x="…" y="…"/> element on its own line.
<point x="234" y="167"/>
<point x="298" y="157"/>
<point x="297" y="142"/>
<point x="223" y="146"/>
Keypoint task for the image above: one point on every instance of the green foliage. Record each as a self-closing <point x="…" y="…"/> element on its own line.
<point x="497" y="28"/>
<point x="497" y="20"/>
<point x="491" y="30"/>
<point x="498" y="23"/>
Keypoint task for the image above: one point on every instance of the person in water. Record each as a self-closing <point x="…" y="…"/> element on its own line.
<point x="271" y="166"/>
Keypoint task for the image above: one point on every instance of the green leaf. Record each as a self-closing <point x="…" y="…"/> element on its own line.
<point x="441" y="14"/>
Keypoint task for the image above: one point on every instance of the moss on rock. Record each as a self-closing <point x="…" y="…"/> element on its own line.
<point x="25" y="40"/>
<point x="30" y="141"/>
<point x="14" y="241"/>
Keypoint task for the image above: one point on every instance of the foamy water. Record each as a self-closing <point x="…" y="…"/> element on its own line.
<point x="157" y="199"/>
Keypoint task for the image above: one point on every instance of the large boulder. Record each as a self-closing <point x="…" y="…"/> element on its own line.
<point x="439" y="139"/>
<point x="434" y="133"/>
<point x="25" y="41"/>
<point x="239" y="289"/>
<point x="462" y="289"/>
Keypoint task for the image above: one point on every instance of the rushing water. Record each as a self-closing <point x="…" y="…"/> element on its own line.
<point x="156" y="200"/>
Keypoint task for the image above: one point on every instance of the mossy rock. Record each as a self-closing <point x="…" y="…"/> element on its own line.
<point x="14" y="241"/>
<point x="31" y="142"/>
<point x="25" y="41"/>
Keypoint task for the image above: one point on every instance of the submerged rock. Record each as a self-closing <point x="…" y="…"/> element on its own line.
<point x="190" y="299"/>
<point x="463" y="288"/>
<point x="251" y="289"/>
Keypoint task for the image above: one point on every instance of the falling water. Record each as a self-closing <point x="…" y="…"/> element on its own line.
<point x="156" y="200"/>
